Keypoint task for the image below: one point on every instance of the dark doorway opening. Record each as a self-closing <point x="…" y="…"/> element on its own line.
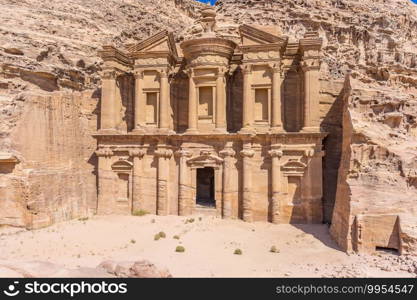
<point x="205" y="187"/>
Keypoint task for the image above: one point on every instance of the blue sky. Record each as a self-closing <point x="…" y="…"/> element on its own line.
<point x="214" y="1"/>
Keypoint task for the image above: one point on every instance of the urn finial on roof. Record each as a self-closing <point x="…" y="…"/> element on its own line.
<point x="208" y="21"/>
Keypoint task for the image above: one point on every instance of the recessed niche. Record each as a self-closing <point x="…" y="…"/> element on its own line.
<point x="261" y="105"/>
<point x="205" y="104"/>
<point x="151" y="107"/>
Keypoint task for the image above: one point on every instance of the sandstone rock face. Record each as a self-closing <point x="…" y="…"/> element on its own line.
<point x="36" y="269"/>
<point x="49" y="93"/>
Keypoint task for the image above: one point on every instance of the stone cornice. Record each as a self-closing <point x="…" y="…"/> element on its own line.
<point x="154" y="39"/>
<point x="110" y="53"/>
<point x="249" y="31"/>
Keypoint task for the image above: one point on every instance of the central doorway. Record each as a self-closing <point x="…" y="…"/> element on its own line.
<point x="205" y="188"/>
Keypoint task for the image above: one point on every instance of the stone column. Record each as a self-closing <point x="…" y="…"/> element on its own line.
<point x="276" y="120"/>
<point x="164" y="156"/>
<point x="137" y="189"/>
<point x="228" y="153"/>
<point x="221" y="101"/>
<point x="247" y="153"/>
<point x="108" y="100"/>
<point x="310" y="47"/>
<point x="164" y="101"/>
<point x="192" y="105"/>
<point x="184" y="195"/>
<point x="140" y="102"/>
<point x="276" y="154"/>
<point x="248" y="100"/>
<point x="104" y="189"/>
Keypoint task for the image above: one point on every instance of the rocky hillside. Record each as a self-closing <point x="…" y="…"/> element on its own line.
<point x="49" y="91"/>
<point x="371" y="161"/>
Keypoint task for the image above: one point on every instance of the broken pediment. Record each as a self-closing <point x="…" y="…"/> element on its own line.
<point x="205" y="159"/>
<point x="253" y="36"/>
<point x="294" y="167"/>
<point x="162" y="42"/>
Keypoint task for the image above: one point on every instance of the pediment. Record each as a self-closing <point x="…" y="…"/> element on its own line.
<point x="294" y="167"/>
<point x="161" y="42"/>
<point x="122" y="165"/>
<point x="205" y="159"/>
<point x="252" y="36"/>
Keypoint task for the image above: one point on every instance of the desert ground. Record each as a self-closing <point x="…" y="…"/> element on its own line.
<point x="209" y="242"/>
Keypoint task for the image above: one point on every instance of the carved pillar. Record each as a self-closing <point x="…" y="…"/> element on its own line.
<point x="247" y="153"/>
<point x="221" y="101"/>
<point x="192" y="104"/>
<point x="164" y="156"/>
<point x="276" y="154"/>
<point x="164" y="100"/>
<point x="140" y="102"/>
<point x="247" y="98"/>
<point x="184" y="192"/>
<point x="108" y="100"/>
<point x="228" y="153"/>
<point x="104" y="188"/>
<point x="312" y="191"/>
<point x="276" y="118"/>
<point x="310" y="48"/>
<point x="137" y="176"/>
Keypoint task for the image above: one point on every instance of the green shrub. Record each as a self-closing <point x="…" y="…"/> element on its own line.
<point x="162" y="234"/>
<point x="180" y="249"/>
<point x="176" y="237"/>
<point x="132" y="241"/>
<point x="139" y="213"/>
<point x="238" y="252"/>
<point x="156" y="237"/>
<point x="274" y="249"/>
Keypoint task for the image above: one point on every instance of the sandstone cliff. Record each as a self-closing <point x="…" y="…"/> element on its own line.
<point x="371" y="150"/>
<point x="49" y="91"/>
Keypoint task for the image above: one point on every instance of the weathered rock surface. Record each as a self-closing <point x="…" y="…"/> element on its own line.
<point x="49" y="93"/>
<point x="36" y="269"/>
<point x="48" y="100"/>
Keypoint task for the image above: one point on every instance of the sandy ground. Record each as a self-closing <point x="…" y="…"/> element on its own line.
<point x="304" y="250"/>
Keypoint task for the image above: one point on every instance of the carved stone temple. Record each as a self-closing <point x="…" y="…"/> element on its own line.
<point x="228" y="127"/>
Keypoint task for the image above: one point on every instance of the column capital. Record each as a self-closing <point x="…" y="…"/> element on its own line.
<point x="308" y="64"/>
<point x="182" y="153"/>
<point x="228" y="152"/>
<point x="247" y="68"/>
<point x="275" y="67"/>
<point x="163" y="153"/>
<point x="190" y="72"/>
<point x="164" y="72"/>
<point x="275" y="153"/>
<point x="104" y="152"/>
<point x="247" y="153"/>
<point x="138" y="73"/>
<point x="309" y="153"/>
<point x="221" y="71"/>
<point x="137" y="153"/>
<point x="110" y="73"/>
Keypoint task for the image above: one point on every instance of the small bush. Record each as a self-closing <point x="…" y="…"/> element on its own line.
<point x="156" y="237"/>
<point x="132" y="241"/>
<point x="274" y="249"/>
<point x="180" y="249"/>
<point x="238" y="252"/>
<point x="162" y="234"/>
<point x="139" y="213"/>
<point x="191" y="220"/>
<point x="176" y="237"/>
<point x="83" y="219"/>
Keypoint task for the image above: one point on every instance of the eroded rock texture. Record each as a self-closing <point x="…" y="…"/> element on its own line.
<point x="49" y="94"/>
